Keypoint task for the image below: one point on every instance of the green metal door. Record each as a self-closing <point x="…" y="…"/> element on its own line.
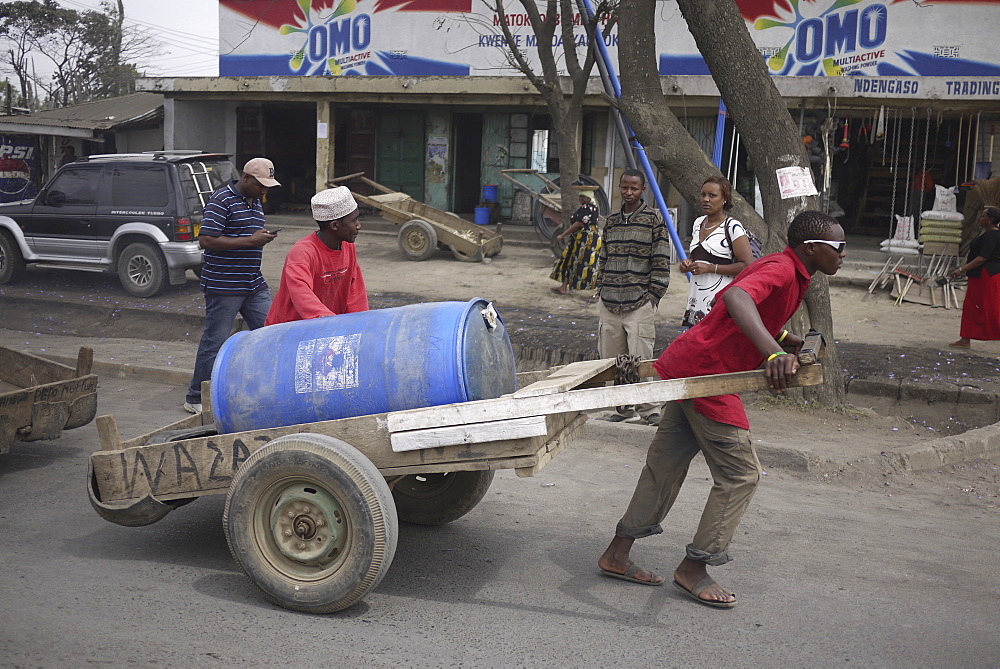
<point x="399" y="156"/>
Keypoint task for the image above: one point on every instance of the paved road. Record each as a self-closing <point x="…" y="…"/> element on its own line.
<point x="826" y="575"/>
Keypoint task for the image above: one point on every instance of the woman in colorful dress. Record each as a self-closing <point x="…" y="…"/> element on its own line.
<point x="719" y="249"/>
<point x="981" y="309"/>
<point x="577" y="266"/>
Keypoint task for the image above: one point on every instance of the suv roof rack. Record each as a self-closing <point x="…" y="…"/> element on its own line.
<point x="177" y="154"/>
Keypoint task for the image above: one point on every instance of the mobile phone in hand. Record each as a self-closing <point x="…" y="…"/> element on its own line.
<point x="274" y="231"/>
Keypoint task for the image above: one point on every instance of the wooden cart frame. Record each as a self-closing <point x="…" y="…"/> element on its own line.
<point x="49" y="397"/>
<point x="312" y="510"/>
<point x="424" y="227"/>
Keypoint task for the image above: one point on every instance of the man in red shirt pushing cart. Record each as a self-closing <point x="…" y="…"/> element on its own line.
<point x="743" y="330"/>
<point x="321" y="276"/>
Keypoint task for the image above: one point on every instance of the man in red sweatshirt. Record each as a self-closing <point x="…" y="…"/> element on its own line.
<point x="321" y="276"/>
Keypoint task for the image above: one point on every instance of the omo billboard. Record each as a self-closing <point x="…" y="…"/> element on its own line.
<point x="462" y="37"/>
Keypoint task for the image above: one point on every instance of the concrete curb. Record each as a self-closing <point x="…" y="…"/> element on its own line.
<point x="979" y="443"/>
<point x="118" y="370"/>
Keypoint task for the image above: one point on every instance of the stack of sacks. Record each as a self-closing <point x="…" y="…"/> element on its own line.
<point x="903" y="242"/>
<point x="941" y="226"/>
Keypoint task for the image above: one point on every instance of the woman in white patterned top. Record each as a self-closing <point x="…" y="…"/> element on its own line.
<point x="719" y="249"/>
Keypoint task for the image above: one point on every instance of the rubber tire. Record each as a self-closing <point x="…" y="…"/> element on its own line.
<point x="11" y="261"/>
<point x="436" y="499"/>
<point x="461" y="257"/>
<point x="341" y="471"/>
<point x="417" y="240"/>
<point x="147" y="260"/>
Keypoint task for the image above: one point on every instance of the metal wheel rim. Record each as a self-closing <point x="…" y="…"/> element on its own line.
<point x="416" y="241"/>
<point x="424" y="486"/>
<point x="319" y="559"/>
<point x="139" y="270"/>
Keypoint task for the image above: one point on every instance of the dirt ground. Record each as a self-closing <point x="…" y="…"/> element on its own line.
<point x="876" y="341"/>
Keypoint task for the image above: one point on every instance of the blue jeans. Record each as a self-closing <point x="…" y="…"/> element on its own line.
<point x="220" y="311"/>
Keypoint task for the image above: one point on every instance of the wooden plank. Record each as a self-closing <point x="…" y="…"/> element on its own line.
<point x="202" y="464"/>
<point x="107" y="433"/>
<point x="348" y="177"/>
<point x="390" y="198"/>
<point x="566" y="378"/>
<point x="553" y="447"/>
<point x="84" y="361"/>
<point x="18" y="406"/>
<point x="25" y="370"/>
<point x="593" y="398"/>
<point x="480" y="433"/>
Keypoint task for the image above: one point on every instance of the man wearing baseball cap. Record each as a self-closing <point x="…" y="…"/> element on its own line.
<point x="321" y="276"/>
<point x="233" y="237"/>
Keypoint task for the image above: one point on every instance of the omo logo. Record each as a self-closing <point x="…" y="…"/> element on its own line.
<point x="830" y="33"/>
<point x="339" y="37"/>
<point x="328" y="35"/>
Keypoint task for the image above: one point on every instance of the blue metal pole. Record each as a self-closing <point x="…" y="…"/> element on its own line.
<point x="647" y="168"/>
<point x="720" y="135"/>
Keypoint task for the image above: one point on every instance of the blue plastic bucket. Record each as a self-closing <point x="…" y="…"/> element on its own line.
<point x="363" y="363"/>
<point x="482" y="216"/>
<point x="490" y="193"/>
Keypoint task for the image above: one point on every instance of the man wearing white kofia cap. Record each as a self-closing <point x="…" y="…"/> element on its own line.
<point x="321" y="276"/>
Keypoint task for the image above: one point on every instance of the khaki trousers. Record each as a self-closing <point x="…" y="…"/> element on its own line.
<point x="633" y="332"/>
<point x="735" y="471"/>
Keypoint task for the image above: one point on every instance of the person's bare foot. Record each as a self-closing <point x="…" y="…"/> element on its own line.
<point x="961" y="343"/>
<point x="615" y="562"/>
<point x="690" y="573"/>
<point x="560" y="290"/>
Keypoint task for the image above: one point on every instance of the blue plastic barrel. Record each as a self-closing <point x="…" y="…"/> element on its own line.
<point x="482" y="216"/>
<point x="364" y="363"/>
<point x="490" y="192"/>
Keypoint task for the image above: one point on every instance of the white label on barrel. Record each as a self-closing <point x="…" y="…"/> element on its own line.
<point x="328" y="363"/>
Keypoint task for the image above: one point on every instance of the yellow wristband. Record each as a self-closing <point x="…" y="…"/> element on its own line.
<point x="775" y="355"/>
<point x="781" y="338"/>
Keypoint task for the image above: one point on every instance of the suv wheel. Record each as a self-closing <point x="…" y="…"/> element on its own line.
<point x="11" y="262"/>
<point x="142" y="269"/>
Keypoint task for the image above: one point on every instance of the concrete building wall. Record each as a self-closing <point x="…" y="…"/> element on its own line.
<point x="205" y="125"/>
<point x="137" y="141"/>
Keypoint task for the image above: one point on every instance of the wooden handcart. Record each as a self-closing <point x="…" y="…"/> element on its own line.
<point x="312" y="510"/>
<point x="40" y="398"/>
<point x="424" y="226"/>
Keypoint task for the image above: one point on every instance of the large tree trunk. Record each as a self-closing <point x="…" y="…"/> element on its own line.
<point x="766" y="128"/>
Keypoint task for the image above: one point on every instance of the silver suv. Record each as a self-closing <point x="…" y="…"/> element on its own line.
<point x="136" y="215"/>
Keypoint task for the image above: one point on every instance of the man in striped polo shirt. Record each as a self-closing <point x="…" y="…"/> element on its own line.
<point x="233" y="236"/>
<point x="633" y="274"/>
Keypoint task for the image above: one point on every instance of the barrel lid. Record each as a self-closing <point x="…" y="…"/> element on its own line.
<point x="488" y="367"/>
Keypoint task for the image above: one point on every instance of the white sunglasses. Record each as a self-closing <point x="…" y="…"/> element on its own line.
<point x="838" y="246"/>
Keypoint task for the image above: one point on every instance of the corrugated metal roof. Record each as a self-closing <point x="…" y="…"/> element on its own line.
<point x="98" y="115"/>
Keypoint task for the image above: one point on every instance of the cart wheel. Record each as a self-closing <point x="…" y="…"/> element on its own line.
<point x="461" y="257"/>
<point x="417" y="240"/>
<point x="436" y="499"/>
<point x="311" y="523"/>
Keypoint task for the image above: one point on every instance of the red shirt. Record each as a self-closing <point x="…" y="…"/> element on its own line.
<point x="318" y="281"/>
<point x="776" y="283"/>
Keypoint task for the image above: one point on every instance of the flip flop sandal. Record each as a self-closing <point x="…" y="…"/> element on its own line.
<point x="695" y="594"/>
<point x="630" y="573"/>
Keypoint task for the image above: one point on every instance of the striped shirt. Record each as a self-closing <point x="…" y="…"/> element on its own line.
<point x="232" y="271"/>
<point x="634" y="265"/>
